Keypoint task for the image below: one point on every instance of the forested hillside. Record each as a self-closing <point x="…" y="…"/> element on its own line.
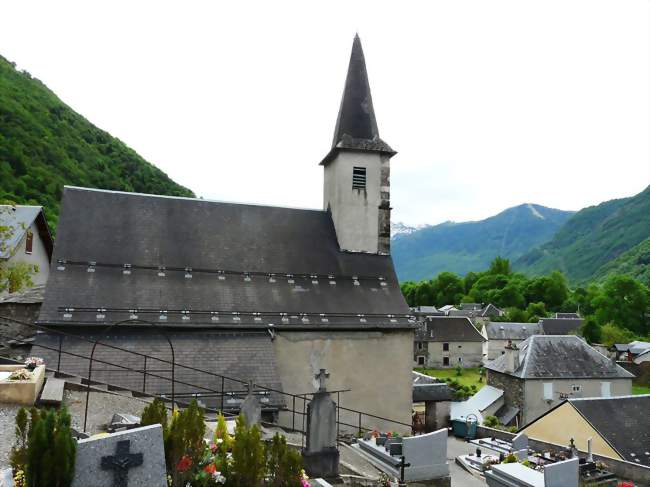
<point x="464" y="247"/>
<point x="635" y="262"/>
<point x="44" y="144"/>
<point x="593" y="239"/>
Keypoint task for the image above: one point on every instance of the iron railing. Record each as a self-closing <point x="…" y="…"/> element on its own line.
<point x="294" y="404"/>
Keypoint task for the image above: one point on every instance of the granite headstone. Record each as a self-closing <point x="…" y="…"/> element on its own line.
<point x="132" y="458"/>
<point x="251" y="408"/>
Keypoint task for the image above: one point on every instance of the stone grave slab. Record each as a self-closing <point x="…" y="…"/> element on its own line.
<point x="132" y="458"/>
<point x="427" y="456"/>
<point x="52" y="393"/>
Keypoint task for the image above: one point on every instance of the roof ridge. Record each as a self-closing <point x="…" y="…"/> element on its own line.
<point x="187" y="198"/>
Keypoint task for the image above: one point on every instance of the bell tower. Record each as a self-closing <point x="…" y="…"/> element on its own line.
<point x="357" y="168"/>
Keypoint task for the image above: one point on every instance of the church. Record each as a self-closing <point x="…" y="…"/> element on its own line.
<point x="251" y="292"/>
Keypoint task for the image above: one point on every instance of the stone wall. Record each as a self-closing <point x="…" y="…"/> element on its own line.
<point x="512" y="387"/>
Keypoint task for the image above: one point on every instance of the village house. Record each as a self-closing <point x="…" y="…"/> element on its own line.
<point x="29" y="239"/>
<point x="443" y="341"/>
<point x="618" y="426"/>
<point x="545" y="370"/>
<point x="499" y="334"/>
<point x="248" y="291"/>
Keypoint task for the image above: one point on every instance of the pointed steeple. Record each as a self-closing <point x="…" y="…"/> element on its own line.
<point x="356" y="125"/>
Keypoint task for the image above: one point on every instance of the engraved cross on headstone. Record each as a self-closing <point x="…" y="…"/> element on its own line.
<point x="121" y="462"/>
<point x="322" y="376"/>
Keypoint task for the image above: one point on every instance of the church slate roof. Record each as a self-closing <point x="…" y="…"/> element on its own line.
<point x="238" y="257"/>
<point x="356" y="125"/>
<point x="622" y="421"/>
<point x="241" y="356"/>
<point x="559" y="356"/>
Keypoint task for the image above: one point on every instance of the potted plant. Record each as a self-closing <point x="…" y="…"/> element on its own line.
<point x="32" y="362"/>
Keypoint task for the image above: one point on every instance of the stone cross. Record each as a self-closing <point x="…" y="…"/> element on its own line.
<point x="250" y="386"/>
<point x="121" y="462"/>
<point x="322" y="376"/>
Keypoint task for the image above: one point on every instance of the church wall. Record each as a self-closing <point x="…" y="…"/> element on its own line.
<point x="356" y="212"/>
<point x="376" y="366"/>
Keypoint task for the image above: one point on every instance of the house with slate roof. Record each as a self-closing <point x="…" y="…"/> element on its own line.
<point x="445" y="341"/>
<point x="248" y="291"/>
<point x="500" y="334"/>
<point x="545" y="370"/>
<point x="619" y="426"/>
<point x="561" y="326"/>
<point x="29" y="239"/>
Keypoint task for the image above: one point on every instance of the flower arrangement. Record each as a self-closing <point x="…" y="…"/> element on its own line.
<point x="32" y="362"/>
<point x="20" y="374"/>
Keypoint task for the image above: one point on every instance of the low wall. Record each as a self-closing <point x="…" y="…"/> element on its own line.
<point x="622" y="469"/>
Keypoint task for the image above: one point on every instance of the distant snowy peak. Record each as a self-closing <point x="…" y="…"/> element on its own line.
<point x="399" y="228"/>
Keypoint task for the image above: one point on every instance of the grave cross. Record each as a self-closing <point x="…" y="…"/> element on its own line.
<point x="121" y="462"/>
<point x="402" y="465"/>
<point x="322" y="376"/>
<point x="251" y="386"/>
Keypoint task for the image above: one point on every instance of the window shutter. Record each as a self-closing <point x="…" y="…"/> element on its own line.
<point x="548" y="390"/>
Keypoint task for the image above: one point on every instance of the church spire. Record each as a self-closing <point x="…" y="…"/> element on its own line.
<point x="356" y="125"/>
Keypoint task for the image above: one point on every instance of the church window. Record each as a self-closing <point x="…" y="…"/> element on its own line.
<point x="29" y="242"/>
<point x="359" y="178"/>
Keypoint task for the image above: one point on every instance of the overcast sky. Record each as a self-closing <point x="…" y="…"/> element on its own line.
<point x="489" y="103"/>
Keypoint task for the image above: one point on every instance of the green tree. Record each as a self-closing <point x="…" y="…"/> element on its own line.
<point x="591" y="331"/>
<point x="500" y="266"/>
<point x="14" y="276"/>
<point x="448" y="289"/>
<point x="535" y="311"/>
<point x="552" y="290"/>
<point x="611" y="334"/>
<point x="624" y="302"/>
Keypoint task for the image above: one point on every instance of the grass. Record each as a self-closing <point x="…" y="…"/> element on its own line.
<point x="640" y="389"/>
<point x="469" y="376"/>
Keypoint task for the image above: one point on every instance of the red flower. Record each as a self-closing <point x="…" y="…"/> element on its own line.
<point x="389" y="435"/>
<point x="184" y="464"/>
<point x="210" y="468"/>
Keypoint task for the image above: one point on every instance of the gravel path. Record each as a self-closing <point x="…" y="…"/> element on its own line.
<point x="7" y="428"/>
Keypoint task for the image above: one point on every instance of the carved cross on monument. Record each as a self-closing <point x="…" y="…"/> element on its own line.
<point x="121" y="462"/>
<point x="322" y="376"/>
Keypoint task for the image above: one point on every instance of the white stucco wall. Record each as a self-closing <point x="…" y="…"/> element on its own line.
<point x="355" y="212"/>
<point x="471" y="354"/>
<point x="536" y="405"/>
<point x="495" y="348"/>
<point x="38" y="256"/>
<point x="375" y="366"/>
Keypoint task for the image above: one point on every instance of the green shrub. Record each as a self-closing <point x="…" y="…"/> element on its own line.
<point x="459" y="370"/>
<point x="284" y="464"/>
<point x="184" y="446"/>
<point x="51" y="450"/>
<point x="491" y="422"/>
<point x="248" y="455"/>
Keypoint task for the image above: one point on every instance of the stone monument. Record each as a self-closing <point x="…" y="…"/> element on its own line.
<point x="132" y="458"/>
<point x="251" y="408"/>
<point x="321" y="455"/>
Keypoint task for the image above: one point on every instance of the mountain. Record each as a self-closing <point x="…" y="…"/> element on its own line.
<point x="596" y="241"/>
<point x="635" y="262"/>
<point x="398" y="228"/>
<point x="44" y="144"/>
<point x="470" y="246"/>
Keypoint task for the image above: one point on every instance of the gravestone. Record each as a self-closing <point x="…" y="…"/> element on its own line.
<point x="251" y="408"/>
<point x="562" y="474"/>
<point x="520" y="446"/>
<point x="427" y="456"/>
<point x="132" y="458"/>
<point x="321" y="455"/>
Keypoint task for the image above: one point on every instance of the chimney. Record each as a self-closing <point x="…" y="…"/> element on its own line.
<point x="512" y="357"/>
